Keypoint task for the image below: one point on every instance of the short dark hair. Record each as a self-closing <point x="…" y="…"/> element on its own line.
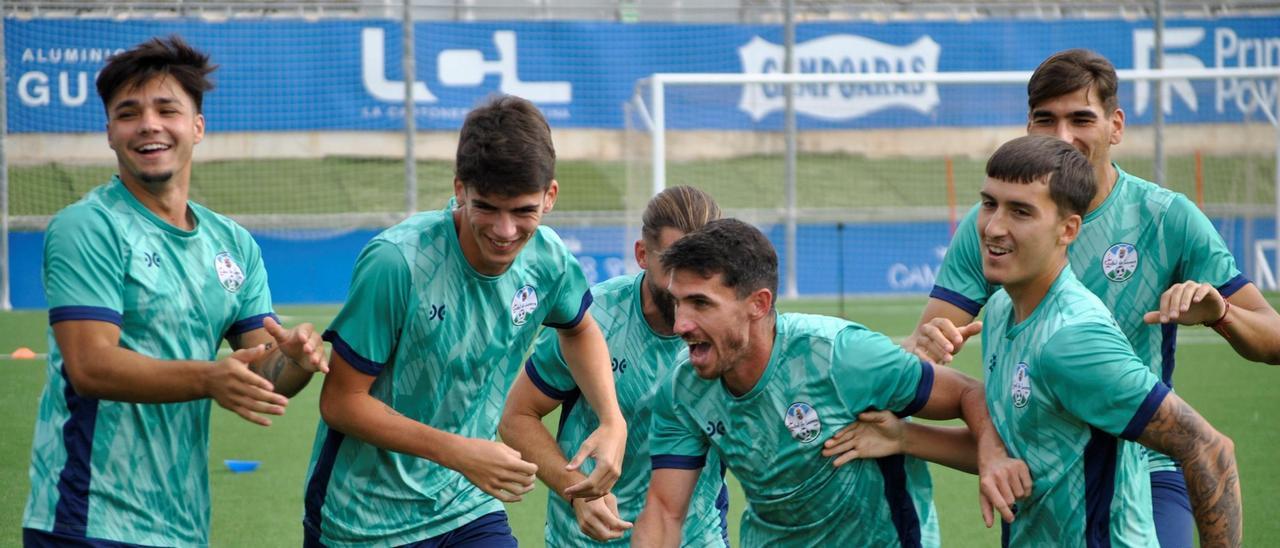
<point x="1030" y="158"/>
<point x="732" y="248"/>
<point x="1072" y="70"/>
<point x="505" y="149"/>
<point x="683" y="208"/>
<point x="170" y="56"/>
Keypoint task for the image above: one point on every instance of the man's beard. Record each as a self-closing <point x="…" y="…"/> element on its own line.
<point x="155" y="178"/>
<point x="664" y="302"/>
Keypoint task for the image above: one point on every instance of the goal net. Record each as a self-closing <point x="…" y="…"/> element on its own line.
<point x="886" y="164"/>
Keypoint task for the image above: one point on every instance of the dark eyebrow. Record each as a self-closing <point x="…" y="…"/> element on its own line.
<point x="1022" y="205"/>
<point x="134" y="103"/>
<point x="127" y="103"/>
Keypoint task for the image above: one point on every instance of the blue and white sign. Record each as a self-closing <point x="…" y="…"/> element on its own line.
<point x="289" y="75"/>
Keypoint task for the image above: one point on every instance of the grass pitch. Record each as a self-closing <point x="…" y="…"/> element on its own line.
<point x="264" y="508"/>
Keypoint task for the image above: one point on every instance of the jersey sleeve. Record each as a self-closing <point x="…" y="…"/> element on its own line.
<point x="547" y="369"/>
<point x="960" y="280"/>
<point x="1204" y="255"/>
<point x="572" y="296"/>
<point x="674" y="442"/>
<point x="255" y="304"/>
<point x="366" y="330"/>
<point x="84" y="267"/>
<point x="871" y="372"/>
<point x="1097" y="378"/>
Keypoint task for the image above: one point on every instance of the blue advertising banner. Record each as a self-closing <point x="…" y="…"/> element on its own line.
<point x="861" y="258"/>
<point x="291" y="75"/>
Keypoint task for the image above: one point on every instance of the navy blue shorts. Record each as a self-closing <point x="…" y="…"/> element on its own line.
<point x="1171" y="508"/>
<point x="487" y="531"/>
<point x="35" y="538"/>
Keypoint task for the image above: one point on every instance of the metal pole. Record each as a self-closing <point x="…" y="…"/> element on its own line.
<point x="1160" y="84"/>
<point x="659" y="135"/>
<point x="1276" y="236"/>
<point x="840" y="266"/>
<point x="4" y="177"/>
<point x="410" y="118"/>
<point x="788" y="66"/>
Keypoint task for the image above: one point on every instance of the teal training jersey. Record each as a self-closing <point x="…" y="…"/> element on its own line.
<point x="445" y="343"/>
<point x="1140" y="241"/>
<point x="822" y="372"/>
<point x="640" y="358"/>
<point x="136" y="472"/>
<point x="1065" y="392"/>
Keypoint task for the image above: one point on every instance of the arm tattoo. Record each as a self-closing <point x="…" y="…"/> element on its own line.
<point x="273" y="366"/>
<point x="1209" y="465"/>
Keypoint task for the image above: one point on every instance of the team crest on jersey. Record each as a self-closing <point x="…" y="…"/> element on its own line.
<point x="229" y="273"/>
<point x="523" y="304"/>
<point x="802" y="421"/>
<point x="1021" y="386"/>
<point x="1119" y="262"/>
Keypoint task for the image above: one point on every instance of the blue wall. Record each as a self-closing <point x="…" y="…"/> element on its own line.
<point x="877" y="258"/>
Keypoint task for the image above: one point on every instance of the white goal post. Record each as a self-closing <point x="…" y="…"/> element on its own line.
<point x="650" y="103"/>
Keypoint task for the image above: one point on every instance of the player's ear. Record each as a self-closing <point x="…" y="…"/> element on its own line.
<point x="760" y="303"/>
<point x="1069" y="229"/>
<point x="459" y="192"/>
<point x="199" y="128"/>
<point x="549" y="199"/>
<point x="1117" y="126"/>
<point x="642" y="255"/>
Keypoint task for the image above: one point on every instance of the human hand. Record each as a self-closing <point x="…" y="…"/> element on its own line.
<point x="496" y="469"/>
<point x="1188" y="303"/>
<point x="599" y="518"/>
<point x="1002" y="481"/>
<point x="301" y="344"/>
<point x="875" y="434"/>
<point x="238" y="389"/>
<point x="939" y="340"/>
<point x="606" y="445"/>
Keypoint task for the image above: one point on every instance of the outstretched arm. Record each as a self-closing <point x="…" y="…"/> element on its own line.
<point x="1002" y="480"/>
<point x="1208" y="463"/>
<point x="347" y="406"/>
<point x="98" y="367"/>
<point x="585" y="351"/>
<point x="1245" y="319"/>
<point x="942" y="332"/>
<point x="522" y="428"/>
<point x="881" y="433"/>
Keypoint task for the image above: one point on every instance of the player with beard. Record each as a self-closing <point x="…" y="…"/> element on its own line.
<point x="764" y="390"/>
<point x="636" y="313"/>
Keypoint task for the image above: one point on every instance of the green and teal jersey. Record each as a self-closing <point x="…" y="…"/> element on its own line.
<point x="444" y="343"/>
<point x="134" y="472"/>
<point x="641" y="357"/>
<point x="1140" y="241"/>
<point x="1068" y="395"/>
<point x="822" y="372"/>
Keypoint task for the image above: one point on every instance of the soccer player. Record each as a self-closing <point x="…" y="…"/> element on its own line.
<point x="1152" y="257"/>
<point x="442" y="310"/>
<point x="1062" y="382"/>
<point x="764" y="390"/>
<point x="142" y="287"/>
<point x="636" y="313"/>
